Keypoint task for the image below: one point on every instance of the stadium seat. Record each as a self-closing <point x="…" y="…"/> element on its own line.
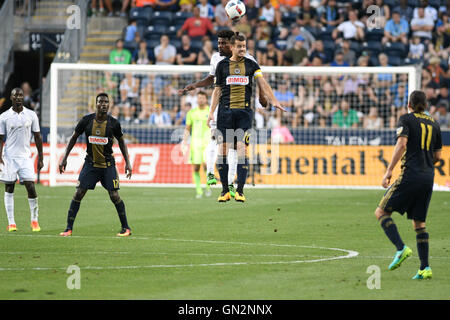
<point x="395" y="49"/>
<point x="374" y="34"/>
<point x="151" y="44"/>
<point x="391" y="3"/>
<point x="171" y="31"/>
<point x="395" y="60"/>
<point x="130" y="46"/>
<point x="329" y="45"/>
<point x="179" y="17"/>
<point x="288" y="18"/>
<point x="197" y="45"/>
<point x="325" y="34"/>
<point x="154" y="32"/>
<point x="414" y="3"/>
<point x="356" y="47"/>
<point x="162" y="18"/>
<point x="373" y="47"/>
<point x="435" y="3"/>
<point x="373" y="60"/>
<point x="176" y="43"/>
<point x="141" y="15"/>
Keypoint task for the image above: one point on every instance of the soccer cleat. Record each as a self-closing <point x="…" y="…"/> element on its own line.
<point x="232" y="190"/>
<point x="35" y="226"/>
<point x="423" y="274"/>
<point x="399" y="257"/>
<point x="211" y="179"/>
<point x="124" y="233"/>
<point x="239" y="197"/>
<point x="224" y="197"/>
<point x="11" y="228"/>
<point x="66" y="233"/>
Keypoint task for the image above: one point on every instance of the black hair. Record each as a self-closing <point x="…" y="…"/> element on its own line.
<point x="418" y="101"/>
<point x="237" y="37"/>
<point x="102" y="94"/>
<point x="226" y="34"/>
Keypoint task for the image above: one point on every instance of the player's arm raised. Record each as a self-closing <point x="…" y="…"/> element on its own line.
<point x="206" y="82"/>
<point x="399" y="149"/>
<point x="266" y="90"/>
<point x="70" y="145"/>
<point x="214" y="103"/>
<point x="124" y="150"/>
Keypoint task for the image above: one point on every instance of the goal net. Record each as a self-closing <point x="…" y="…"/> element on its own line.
<point x="338" y="130"/>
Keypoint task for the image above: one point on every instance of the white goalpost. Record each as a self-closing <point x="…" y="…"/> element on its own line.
<point x="325" y="151"/>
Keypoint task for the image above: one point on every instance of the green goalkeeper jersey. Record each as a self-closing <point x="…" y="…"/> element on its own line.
<point x="200" y="132"/>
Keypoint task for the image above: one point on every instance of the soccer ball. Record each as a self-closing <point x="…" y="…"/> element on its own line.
<point x="235" y="9"/>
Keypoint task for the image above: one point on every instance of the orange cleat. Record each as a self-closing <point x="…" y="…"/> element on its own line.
<point x="11" y="228"/>
<point x="35" y="226"/>
<point x="124" y="233"/>
<point x="66" y="233"/>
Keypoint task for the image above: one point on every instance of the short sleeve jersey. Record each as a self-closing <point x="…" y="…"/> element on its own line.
<point x="99" y="139"/>
<point x="18" y="128"/>
<point x="197" y="119"/>
<point x="236" y="80"/>
<point x="424" y="138"/>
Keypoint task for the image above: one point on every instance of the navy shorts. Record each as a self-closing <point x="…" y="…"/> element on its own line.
<point x="90" y="175"/>
<point x="233" y="124"/>
<point x="408" y="196"/>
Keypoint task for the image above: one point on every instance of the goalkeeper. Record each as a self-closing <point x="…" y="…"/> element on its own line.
<point x="199" y="132"/>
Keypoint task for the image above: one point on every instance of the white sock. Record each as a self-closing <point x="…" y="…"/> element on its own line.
<point x="211" y="156"/>
<point x="34" y="208"/>
<point x="9" y="206"/>
<point x="232" y="165"/>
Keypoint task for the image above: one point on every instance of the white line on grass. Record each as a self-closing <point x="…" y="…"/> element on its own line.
<point x="350" y="254"/>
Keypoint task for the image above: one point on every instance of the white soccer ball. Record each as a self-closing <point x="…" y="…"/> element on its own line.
<point x="235" y="10"/>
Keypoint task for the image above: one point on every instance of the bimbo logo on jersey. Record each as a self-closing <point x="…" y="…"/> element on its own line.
<point x="98" y="140"/>
<point x="237" y="80"/>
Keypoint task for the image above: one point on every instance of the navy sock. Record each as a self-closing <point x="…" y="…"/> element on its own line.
<point x="120" y="207"/>
<point x="422" y="247"/>
<point x="391" y="231"/>
<point x="242" y="170"/>
<point x="72" y="214"/>
<point x="222" y="167"/>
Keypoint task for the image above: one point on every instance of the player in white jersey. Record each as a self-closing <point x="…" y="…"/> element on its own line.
<point x="224" y="47"/>
<point x="17" y="123"/>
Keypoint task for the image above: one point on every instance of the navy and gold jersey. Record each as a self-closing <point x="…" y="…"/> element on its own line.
<point x="236" y="79"/>
<point x="99" y="139"/>
<point x="424" y="138"/>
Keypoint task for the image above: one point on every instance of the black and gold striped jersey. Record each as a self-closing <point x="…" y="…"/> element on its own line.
<point x="99" y="139"/>
<point x="235" y="78"/>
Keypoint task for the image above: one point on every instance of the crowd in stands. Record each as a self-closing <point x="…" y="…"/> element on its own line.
<point x="334" y="33"/>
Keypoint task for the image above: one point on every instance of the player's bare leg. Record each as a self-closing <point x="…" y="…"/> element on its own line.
<point x="9" y="207"/>
<point x="120" y="207"/>
<point x="33" y="203"/>
<point x="73" y="210"/>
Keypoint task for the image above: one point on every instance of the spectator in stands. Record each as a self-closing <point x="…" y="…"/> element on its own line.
<point x="441" y="45"/>
<point x="319" y="51"/>
<point x="101" y="5"/>
<point x="345" y="117"/>
<point x="416" y="48"/>
<point x="159" y="118"/>
<point x="349" y="54"/>
<point x="396" y="29"/>
<point x="384" y="14"/>
<point x="146" y="99"/>
<point x="220" y="15"/>
<point x="384" y="80"/>
<point x="422" y="26"/>
<point x="187" y="5"/>
<point x="165" y="53"/>
<point x="442" y="114"/>
<point x="252" y="12"/>
<point x="326" y="102"/>
<point x="430" y="93"/>
<point x="296" y="30"/>
<point x="206" y="9"/>
<point x="271" y="57"/>
<point x="119" y="55"/>
<point x="110" y="82"/>
<point x="242" y="26"/>
<point x="292" y="6"/>
<point x="297" y="55"/>
<point x="406" y="12"/>
<point x="196" y="26"/>
<point x="399" y="104"/>
<point x="169" y="99"/>
<point x="307" y="15"/>
<point x="130" y="31"/>
<point x="285" y="95"/>
<point x="281" y="39"/>
<point x="331" y="16"/>
<point x="204" y="56"/>
<point x="352" y="29"/>
<point x="263" y="33"/>
<point x="443" y="94"/>
<point x="186" y="54"/>
<point x="180" y="117"/>
<point x="339" y="60"/>
<point x="429" y="11"/>
<point x="438" y="75"/>
<point x="351" y="84"/>
<point x="373" y="120"/>
<point x="366" y="98"/>
<point x="129" y="94"/>
<point x="143" y="56"/>
<point x="251" y="47"/>
<point x="29" y="100"/>
<point x="166" y="5"/>
<point x="280" y="133"/>
<point x="269" y="13"/>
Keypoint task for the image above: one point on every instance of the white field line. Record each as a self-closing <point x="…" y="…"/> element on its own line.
<point x="349" y="254"/>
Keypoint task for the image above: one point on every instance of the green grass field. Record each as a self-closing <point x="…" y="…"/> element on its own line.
<point x="281" y="244"/>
